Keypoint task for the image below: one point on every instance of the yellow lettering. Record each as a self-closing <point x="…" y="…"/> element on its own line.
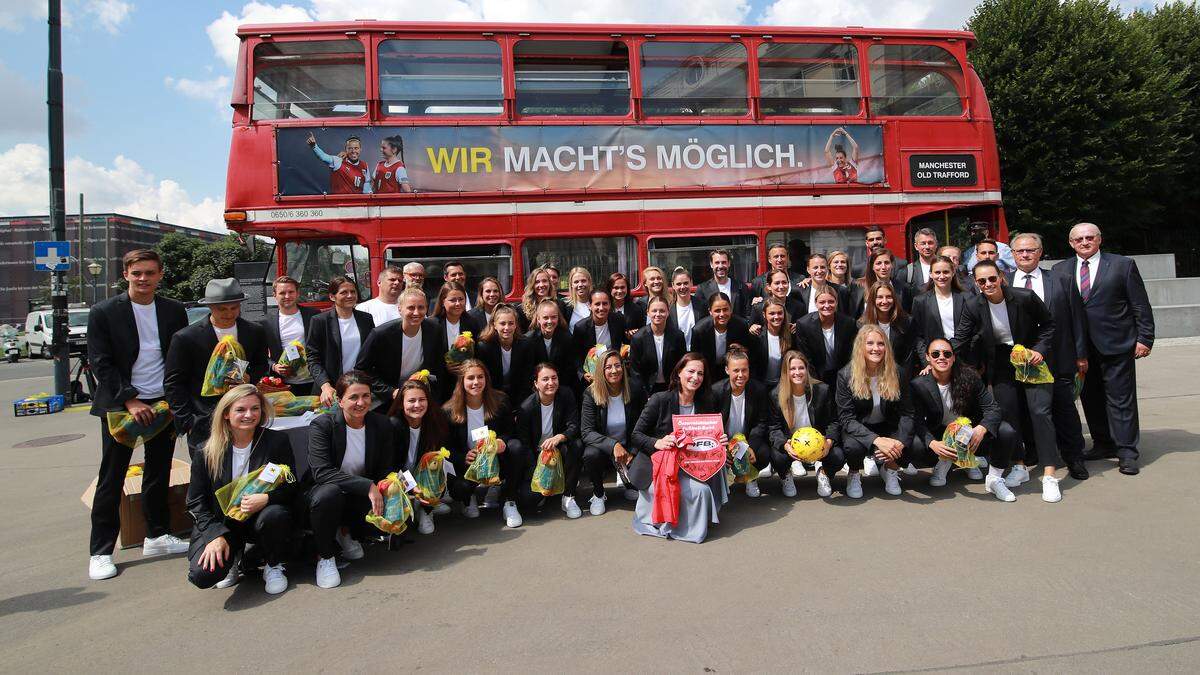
<point x="443" y="161"/>
<point x="481" y="156"/>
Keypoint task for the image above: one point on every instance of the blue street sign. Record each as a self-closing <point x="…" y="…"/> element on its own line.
<point x="52" y="256"/>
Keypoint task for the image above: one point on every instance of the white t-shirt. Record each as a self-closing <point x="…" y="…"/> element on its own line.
<point x="687" y="319"/>
<point x="354" y="462"/>
<point x="1001" y="328"/>
<point x="412" y="354"/>
<point x="380" y="311"/>
<point x="222" y="332"/>
<point x="241" y="461"/>
<point x="829" y="339"/>
<point x="474" y="420"/>
<point x="737" y="413"/>
<point x="149" y="368"/>
<point x="887" y="330"/>
<point x="414" y="441"/>
<point x="721" y="339"/>
<point x="926" y="270"/>
<point x="876" y="415"/>
<point x="774" y="356"/>
<point x="615" y="427"/>
<point x="604" y="336"/>
<point x="351" y="342"/>
<point x="581" y="311"/>
<point x="946" y="313"/>
<point x="800" y="416"/>
<point x="687" y="409"/>
<point x="452" y="333"/>
<point x="505" y="360"/>
<point x="727" y="289"/>
<point x="812" y="299"/>
<point x="947" y="404"/>
<point x="658" y="349"/>
<point x="291" y="327"/>
<point x="547" y="421"/>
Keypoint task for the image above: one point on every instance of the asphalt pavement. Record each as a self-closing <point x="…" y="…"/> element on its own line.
<point x="939" y="579"/>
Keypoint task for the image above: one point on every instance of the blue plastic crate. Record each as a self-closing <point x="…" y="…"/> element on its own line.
<point x="39" y="406"/>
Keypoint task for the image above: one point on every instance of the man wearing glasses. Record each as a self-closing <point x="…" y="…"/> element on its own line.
<point x="1120" y="329"/>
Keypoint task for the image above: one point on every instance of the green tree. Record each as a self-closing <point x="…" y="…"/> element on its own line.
<point x="1076" y="95"/>
<point x="179" y="253"/>
<point x="189" y="263"/>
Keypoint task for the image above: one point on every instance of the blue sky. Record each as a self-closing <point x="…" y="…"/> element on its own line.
<point x="147" y="82"/>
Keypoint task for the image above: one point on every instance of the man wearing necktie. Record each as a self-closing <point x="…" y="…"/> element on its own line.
<point x="1120" y="327"/>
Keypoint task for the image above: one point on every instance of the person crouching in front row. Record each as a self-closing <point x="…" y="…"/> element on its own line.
<point x="549" y="420"/>
<point x="238" y="444"/>
<point x="349" y="451"/>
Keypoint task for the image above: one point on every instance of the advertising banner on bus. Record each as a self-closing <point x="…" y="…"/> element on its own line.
<point x="433" y="159"/>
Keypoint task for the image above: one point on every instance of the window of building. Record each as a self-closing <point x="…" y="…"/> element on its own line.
<point x="694" y="78"/>
<point x="314" y="262"/>
<point x="691" y="253"/>
<point x="914" y="80"/>
<point x="808" y="79"/>
<point x="440" y="77"/>
<point x="572" y="77"/>
<point x="601" y="256"/>
<point x="303" y="80"/>
<point x="480" y="261"/>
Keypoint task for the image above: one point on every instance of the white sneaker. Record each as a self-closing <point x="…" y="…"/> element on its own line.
<point x="997" y="486"/>
<point x="976" y="473"/>
<point x="891" y="481"/>
<point x="854" y="485"/>
<point x="631" y="494"/>
<point x="351" y="549"/>
<point x="870" y="468"/>
<point x="596" y="505"/>
<point x="940" y="471"/>
<point x="571" y="508"/>
<point x="512" y="517"/>
<point x="442" y="508"/>
<point x="910" y="470"/>
<point x="470" y="509"/>
<point x="101" y="567"/>
<point x="752" y="490"/>
<point x="789" y="486"/>
<point x="167" y="544"/>
<point x="1050" y="491"/>
<point x="1017" y="475"/>
<point x="766" y="471"/>
<point x="983" y="463"/>
<point x="424" y="522"/>
<point x="232" y="578"/>
<point x="798" y="470"/>
<point x="824" y="489"/>
<point x="327" y="573"/>
<point x="274" y="580"/>
<point x="491" y="498"/>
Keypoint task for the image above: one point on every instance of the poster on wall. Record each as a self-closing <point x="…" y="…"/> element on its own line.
<point x="435" y="159"/>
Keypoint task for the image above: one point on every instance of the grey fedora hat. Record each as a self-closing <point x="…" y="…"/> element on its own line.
<point x="221" y="291"/>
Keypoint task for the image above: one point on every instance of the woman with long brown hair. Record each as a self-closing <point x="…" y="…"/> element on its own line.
<point x="579" y="294"/>
<point x="418" y="427"/>
<point x="882" y="308"/>
<point x="880" y="267"/>
<point x="774" y="340"/>
<point x="634" y="314"/>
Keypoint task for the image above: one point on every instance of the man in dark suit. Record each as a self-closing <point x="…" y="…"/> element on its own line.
<point x="287" y="322"/>
<point x="721" y="282"/>
<point x="874" y="239"/>
<point x="127" y="338"/>
<point x="191" y="350"/>
<point x="1120" y="327"/>
<point x="1068" y="351"/>
<point x="916" y="274"/>
<point x="778" y="258"/>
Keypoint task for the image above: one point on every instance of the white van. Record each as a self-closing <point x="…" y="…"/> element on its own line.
<point x="38" y="328"/>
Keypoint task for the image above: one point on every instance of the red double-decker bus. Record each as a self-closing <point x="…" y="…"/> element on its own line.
<point x="613" y="147"/>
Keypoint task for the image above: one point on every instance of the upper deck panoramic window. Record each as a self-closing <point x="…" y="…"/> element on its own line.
<point x="915" y="80"/>
<point x="694" y="78"/>
<point x="440" y="77"/>
<point x="808" y="79"/>
<point x="572" y="77"/>
<point x="303" y="80"/>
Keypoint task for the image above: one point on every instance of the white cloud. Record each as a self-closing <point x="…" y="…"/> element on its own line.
<point x="223" y="32"/>
<point x="215" y="90"/>
<point x="110" y="14"/>
<point x="14" y="13"/>
<point x="107" y="14"/>
<point x="125" y="187"/>
<point x="942" y="14"/>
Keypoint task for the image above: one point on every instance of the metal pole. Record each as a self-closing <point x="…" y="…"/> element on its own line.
<point x="54" y="102"/>
<point x="80" y="255"/>
<point x="108" y="282"/>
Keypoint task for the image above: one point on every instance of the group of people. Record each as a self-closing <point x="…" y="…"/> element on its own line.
<point x="879" y="364"/>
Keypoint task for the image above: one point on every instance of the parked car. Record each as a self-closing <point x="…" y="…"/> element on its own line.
<point x="38" y="329"/>
<point x="196" y="313"/>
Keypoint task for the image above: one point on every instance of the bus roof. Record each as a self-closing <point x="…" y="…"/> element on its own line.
<point x="365" y="25"/>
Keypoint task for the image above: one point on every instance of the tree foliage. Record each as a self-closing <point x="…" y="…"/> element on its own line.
<point x="189" y="263"/>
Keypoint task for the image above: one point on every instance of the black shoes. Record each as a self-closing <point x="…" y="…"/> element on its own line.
<point x="1100" y="452"/>
<point x="1129" y="467"/>
<point x="1078" y="469"/>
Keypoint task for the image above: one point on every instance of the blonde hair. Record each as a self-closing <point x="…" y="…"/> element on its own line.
<point x="860" y="379"/>
<point x="599" y="385"/>
<point x="220" y="435"/>
<point x="570" y="287"/>
<point x="528" y="304"/>
<point x="829" y="259"/>
<point x="666" y="286"/>
<point x="784" y="390"/>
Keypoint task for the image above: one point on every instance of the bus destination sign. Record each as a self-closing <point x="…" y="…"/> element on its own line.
<point x="942" y="170"/>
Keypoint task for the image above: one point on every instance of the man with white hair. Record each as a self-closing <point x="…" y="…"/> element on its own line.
<point x="414" y="276"/>
<point x="1120" y="329"/>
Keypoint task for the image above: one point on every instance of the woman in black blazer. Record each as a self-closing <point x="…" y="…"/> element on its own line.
<point x="560" y="432"/>
<point x="936" y="311"/>
<point x="950" y="390"/>
<point x="501" y="351"/>
<point x="349" y="452"/>
<point x="812" y="337"/>
<point x="490" y="295"/>
<point x="656" y="348"/>
<point x="327" y="355"/>
<point x="883" y="310"/>
<point x="773" y="339"/>
<point x="600" y="327"/>
<point x="452" y="317"/>
<point x="730" y="328"/>
<point x="611" y="407"/>
<point x="633" y="313"/>
<point x="880" y="267"/>
<point x="800" y="401"/>
<point x="383" y="354"/>
<point x="548" y="341"/>
<point x="474" y="406"/>
<point x="875" y="412"/>
<point x="237" y="445"/>
<point x="779" y="288"/>
<point x="687" y="309"/>
<point x="754" y="410"/>
<point x="418" y="427"/>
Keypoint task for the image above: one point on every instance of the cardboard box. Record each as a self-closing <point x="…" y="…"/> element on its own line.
<point x="133" y="523"/>
<point x="39" y="406"/>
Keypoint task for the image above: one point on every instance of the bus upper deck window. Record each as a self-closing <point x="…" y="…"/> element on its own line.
<point x="915" y="80"/>
<point x="302" y="80"/>
<point x="808" y="79"/>
<point x="572" y="77"/>
<point x="694" y="78"/>
<point x="440" y="77"/>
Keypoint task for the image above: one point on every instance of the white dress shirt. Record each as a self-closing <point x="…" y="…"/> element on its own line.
<point x="1093" y="269"/>
<point x="1037" y="281"/>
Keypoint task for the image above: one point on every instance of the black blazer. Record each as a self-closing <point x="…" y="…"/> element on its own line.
<point x="1028" y="318"/>
<point x="633" y="313"/>
<point x="756" y="416"/>
<point x="561" y="353"/>
<point x="739" y="295"/>
<point x="822" y="415"/>
<point x="811" y="341"/>
<point x="480" y="319"/>
<point x="845" y="303"/>
<point x="458" y="438"/>
<point x="1070" y="323"/>
<point x="699" y="311"/>
<point x="565" y="422"/>
<point x="400" y="435"/>
<point x="466" y="322"/>
<point x="382" y="355"/>
<point x="209" y="522"/>
<point x="758" y="285"/>
<point x="1117" y="308"/>
<point x="327" y="449"/>
<point x="583" y="337"/>
<point x="653" y="424"/>
<point x="271" y="326"/>
<point x="903" y="339"/>
<point x="324" y="345"/>
<point x="928" y="409"/>
<point x="489" y="353"/>
<point x="704" y="340"/>
<point x="927" y="324"/>
<point x="187" y="360"/>
<point x="643" y="357"/>
<point x="852" y="411"/>
<point x="760" y="355"/>
<point x="593" y="420"/>
<point x="792" y="306"/>
<point x="858" y="296"/>
<point x="113" y="346"/>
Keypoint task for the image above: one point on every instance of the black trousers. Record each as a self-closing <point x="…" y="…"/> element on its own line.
<point x="328" y="509"/>
<point x="572" y="459"/>
<point x="303" y="389"/>
<point x="856" y="452"/>
<point x="513" y="463"/>
<point x="156" y="478"/>
<point x="269" y="529"/>
<point x="1027" y="408"/>
<point x="1110" y="403"/>
<point x="596" y="462"/>
<point x="1067" y="427"/>
<point x="999" y="449"/>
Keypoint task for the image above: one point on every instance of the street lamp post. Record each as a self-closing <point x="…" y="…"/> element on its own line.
<point x="94" y="269"/>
